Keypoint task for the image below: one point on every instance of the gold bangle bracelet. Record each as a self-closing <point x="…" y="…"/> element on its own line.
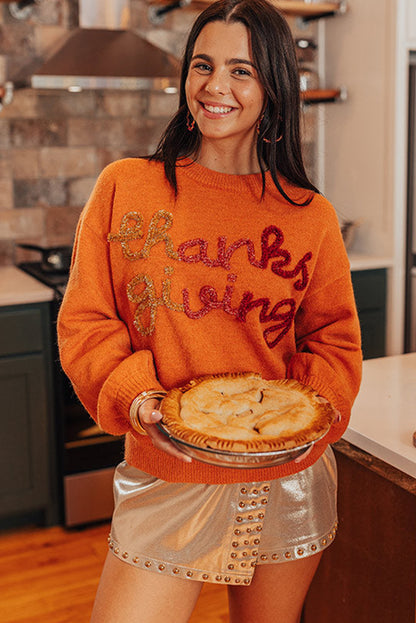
<point x="137" y="403"/>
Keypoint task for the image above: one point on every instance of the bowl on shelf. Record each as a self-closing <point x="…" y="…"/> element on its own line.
<point x="348" y="231"/>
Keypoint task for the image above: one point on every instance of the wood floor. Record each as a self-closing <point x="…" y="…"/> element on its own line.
<point x="50" y="575"/>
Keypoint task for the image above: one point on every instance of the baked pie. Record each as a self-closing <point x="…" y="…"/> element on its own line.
<point x="243" y="412"/>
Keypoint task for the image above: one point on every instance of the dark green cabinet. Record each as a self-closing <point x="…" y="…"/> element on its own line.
<point x="370" y="295"/>
<point x="27" y="447"/>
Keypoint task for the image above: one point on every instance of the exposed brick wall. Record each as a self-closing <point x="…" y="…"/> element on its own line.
<point x="53" y="144"/>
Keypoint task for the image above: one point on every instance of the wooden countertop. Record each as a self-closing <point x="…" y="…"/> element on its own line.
<point x="19" y="288"/>
<point x="384" y="415"/>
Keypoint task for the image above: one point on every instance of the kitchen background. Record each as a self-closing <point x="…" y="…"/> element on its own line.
<point x="54" y="143"/>
<point x="361" y="152"/>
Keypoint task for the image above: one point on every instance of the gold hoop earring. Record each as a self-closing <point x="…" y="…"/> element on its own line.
<point x="190" y="124"/>
<point x="266" y="140"/>
<point x="258" y="124"/>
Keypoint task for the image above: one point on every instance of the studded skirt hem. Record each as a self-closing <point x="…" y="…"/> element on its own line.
<point x="220" y="533"/>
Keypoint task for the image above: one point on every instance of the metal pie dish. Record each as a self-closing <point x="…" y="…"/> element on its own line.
<point x="226" y="458"/>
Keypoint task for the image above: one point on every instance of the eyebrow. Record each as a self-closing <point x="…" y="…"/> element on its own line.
<point x="231" y="61"/>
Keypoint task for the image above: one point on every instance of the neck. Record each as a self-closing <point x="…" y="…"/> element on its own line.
<point x="226" y="158"/>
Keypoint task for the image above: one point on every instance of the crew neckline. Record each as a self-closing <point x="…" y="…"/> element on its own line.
<point x="232" y="182"/>
<point x="222" y="181"/>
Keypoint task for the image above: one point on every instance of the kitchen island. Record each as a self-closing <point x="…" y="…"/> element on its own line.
<point x="383" y="418"/>
<point x="369" y="574"/>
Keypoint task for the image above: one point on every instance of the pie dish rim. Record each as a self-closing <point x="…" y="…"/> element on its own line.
<point x="228" y="458"/>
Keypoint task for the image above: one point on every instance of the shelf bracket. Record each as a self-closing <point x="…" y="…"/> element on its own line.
<point x="343" y="94"/>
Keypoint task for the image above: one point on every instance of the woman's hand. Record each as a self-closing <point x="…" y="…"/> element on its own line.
<point x="148" y="416"/>
<point x="337" y="418"/>
<point x="337" y="414"/>
<point x="303" y="456"/>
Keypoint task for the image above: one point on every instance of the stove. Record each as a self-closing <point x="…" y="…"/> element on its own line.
<point x="87" y="456"/>
<point x="54" y="280"/>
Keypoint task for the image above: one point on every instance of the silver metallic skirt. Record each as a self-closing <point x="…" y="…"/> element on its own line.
<point x="220" y="533"/>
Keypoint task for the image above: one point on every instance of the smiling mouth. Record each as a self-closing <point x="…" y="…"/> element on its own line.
<point x="217" y="109"/>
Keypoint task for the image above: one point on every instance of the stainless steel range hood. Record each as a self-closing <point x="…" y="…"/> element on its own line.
<point x="101" y="54"/>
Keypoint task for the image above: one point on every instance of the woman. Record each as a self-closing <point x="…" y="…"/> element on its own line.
<point x="215" y="255"/>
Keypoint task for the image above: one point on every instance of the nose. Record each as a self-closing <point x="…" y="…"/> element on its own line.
<point x="217" y="83"/>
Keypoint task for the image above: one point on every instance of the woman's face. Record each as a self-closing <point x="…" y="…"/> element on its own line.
<point x="223" y="91"/>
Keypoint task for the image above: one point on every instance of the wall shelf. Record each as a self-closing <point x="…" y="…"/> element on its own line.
<point x="322" y="96"/>
<point x="293" y="8"/>
<point x="308" y="11"/>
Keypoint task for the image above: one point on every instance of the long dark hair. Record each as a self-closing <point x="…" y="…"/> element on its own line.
<point x="274" y="56"/>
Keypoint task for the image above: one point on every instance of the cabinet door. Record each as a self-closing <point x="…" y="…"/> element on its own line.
<point x="24" y="436"/>
<point x="21" y="330"/>
<point x="370" y="296"/>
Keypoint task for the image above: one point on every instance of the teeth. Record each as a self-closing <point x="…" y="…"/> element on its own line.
<point x="218" y="109"/>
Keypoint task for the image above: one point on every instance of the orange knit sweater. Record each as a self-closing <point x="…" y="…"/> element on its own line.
<point x="164" y="289"/>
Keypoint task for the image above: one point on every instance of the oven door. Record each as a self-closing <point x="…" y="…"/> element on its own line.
<point x="88" y="457"/>
<point x="89" y="460"/>
<point x="88" y="496"/>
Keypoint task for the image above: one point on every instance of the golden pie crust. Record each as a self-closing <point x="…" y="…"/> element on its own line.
<point x="243" y="412"/>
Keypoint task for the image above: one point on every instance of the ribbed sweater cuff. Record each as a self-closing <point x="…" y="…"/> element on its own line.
<point x="132" y="376"/>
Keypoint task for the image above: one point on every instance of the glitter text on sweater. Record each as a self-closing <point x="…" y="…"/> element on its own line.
<point x="193" y="251"/>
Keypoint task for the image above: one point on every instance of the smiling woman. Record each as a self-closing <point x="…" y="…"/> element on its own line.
<point x="215" y="255"/>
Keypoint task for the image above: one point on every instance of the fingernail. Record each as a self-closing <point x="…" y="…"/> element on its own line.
<point x="155" y="416"/>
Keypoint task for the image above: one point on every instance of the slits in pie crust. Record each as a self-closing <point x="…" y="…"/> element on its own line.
<point x="243" y="412"/>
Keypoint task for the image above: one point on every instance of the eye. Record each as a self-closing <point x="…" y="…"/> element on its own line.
<point x="240" y="71"/>
<point x="202" y="67"/>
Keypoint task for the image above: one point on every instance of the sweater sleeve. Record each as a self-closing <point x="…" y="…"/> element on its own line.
<point x="94" y="343"/>
<point x="328" y="340"/>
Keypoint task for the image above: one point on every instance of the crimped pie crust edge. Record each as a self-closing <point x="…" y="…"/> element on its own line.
<point x="323" y="417"/>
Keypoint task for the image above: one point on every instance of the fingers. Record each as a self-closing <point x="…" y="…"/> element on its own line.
<point x="149" y="416"/>
<point x="336" y="412"/>
<point x="303" y="456"/>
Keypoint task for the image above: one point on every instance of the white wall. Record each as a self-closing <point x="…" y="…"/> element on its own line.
<point x="411" y="23"/>
<point x="359" y="133"/>
<point x="364" y="139"/>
